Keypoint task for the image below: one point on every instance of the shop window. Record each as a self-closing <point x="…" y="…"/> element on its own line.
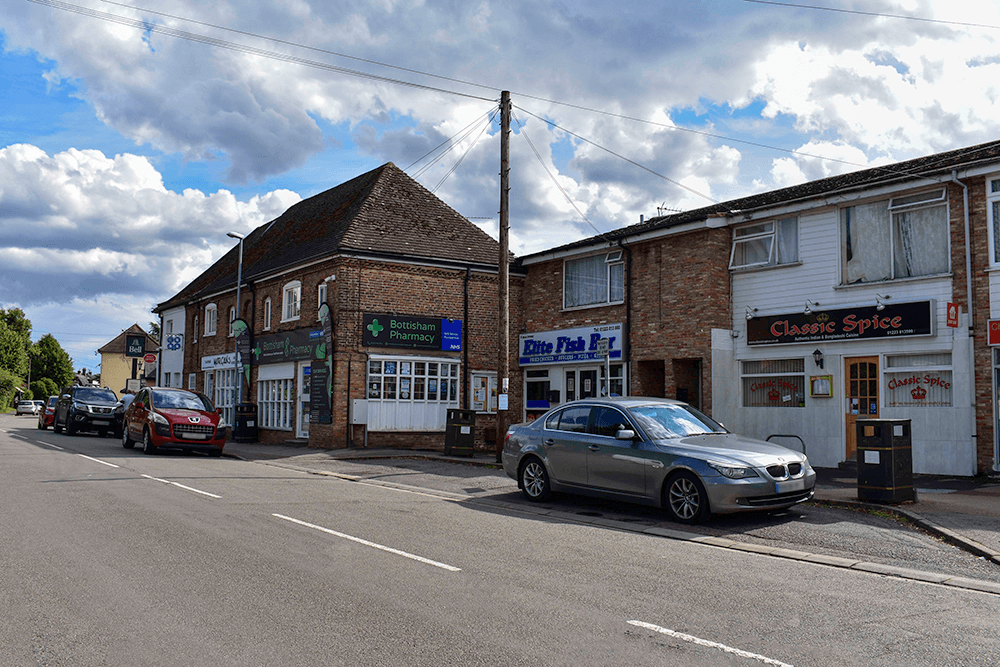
<point x="765" y="244"/>
<point x="211" y="319"/>
<point x="404" y="379"/>
<point x="225" y="392"/>
<point x="537" y="389"/>
<point x="903" y="237"/>
<point x="276" y="400"/>
<point x="192" y="381"/>
<point x="773" y="383"/>
<point x="483" y="391"/>
<point x="291" y="300"/>
<point x="918" y="380"/>
<point x="594" y="281"/>
<point x="617" y="381"/>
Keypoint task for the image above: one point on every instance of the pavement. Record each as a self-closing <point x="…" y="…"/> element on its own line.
<point x="964" y="511"/>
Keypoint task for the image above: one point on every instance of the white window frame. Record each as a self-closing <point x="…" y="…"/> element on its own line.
<point x="192" y="381"/>
<point x="232" y="320"/>
<point x="774" y="374"/>
<point x="276" y="399"/>
<point x="320" y="296"/>
<point x="211" y="319"/>
<point x="225" y="392"/>
<point x="291" y="301"/>
<point x="768" y="232"/>
<point x="993" y="218"/>
<point x="194" y="338"/>
<point x="169" y="326"/>
<point x="267" y="313"/>
<point x="917" y="375"/>
<point x="613" y="262"/>
<point x="901" y="204"/>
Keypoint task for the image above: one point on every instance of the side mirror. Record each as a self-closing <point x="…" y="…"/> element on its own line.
<point x="219" y="410"/>
<point x="625" y="434"/>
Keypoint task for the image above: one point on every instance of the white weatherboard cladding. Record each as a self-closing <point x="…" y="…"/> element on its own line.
<point x="172" y="361"/>
<point x="942" y="437"/>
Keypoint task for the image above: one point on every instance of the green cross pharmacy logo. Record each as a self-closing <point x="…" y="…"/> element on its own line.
<point x="375" y="328"/>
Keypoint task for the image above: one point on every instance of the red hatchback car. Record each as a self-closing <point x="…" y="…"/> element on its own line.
<point x="47" y="415"/>
<point x="162" y="418"/>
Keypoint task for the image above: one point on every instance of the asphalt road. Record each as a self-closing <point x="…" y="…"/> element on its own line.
<point x="111" y="557"/>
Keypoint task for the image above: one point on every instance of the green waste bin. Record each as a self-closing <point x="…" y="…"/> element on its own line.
<point x="245" y="426"/>
<point x="460" y="432"/>
<point x="885" y="461"/>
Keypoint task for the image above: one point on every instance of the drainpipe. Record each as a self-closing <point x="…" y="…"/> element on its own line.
<point x="968" y="297"/>
<point x="627" y="348"/>
<point x="465" y="343"/>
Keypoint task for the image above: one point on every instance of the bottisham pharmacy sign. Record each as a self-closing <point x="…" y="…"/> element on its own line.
<point x="424" y="333"/>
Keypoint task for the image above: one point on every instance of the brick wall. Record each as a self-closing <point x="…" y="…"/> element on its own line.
<point x="679" y="293"/>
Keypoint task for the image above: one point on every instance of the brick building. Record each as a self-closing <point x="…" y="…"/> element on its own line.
<point x="411" y="286"/>
<point x="796" y="312"/>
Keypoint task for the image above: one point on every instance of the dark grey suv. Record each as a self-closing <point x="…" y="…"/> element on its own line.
<point x="85" y="409"/>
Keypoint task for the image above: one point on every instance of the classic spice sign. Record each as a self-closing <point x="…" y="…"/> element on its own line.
<point x="899" y="319"/>
<point x="425" y="333"/>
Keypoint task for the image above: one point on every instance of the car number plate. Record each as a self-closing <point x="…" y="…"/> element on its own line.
<point x="101" y="422"/>
<point x="790" y="485"/>
<point x="195" y="436"/>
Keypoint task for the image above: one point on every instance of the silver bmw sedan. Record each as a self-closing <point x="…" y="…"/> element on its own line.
<point x="653" y="451"/>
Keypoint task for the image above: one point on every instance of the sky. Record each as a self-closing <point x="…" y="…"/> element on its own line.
<point x="135" y="135"/>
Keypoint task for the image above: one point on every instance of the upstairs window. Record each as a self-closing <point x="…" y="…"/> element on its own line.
<point x="993" y="211"/>
<point x="232" y="319"/>
<point x="291" y="299"/>
<point x="765" y="244"/>
<point x="267" y="313"/>
<point x="903" y="237"/>
<point x="594" y="281"/>
<point x="320" y="296"/>
<point x="211" y="319"/>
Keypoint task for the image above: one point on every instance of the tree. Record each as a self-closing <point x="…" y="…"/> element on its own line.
<point x="154" y="331"/>
<point x="44" y="388"/>
<point x="15" y="339"/>
<point x="49" y="360"/>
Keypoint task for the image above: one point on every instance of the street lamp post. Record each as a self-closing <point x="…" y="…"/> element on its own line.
<point x="236" y="357"/>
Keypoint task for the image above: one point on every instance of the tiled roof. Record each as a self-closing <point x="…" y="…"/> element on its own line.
<point x="933" y="165"/>
<point x="384" y="212"/>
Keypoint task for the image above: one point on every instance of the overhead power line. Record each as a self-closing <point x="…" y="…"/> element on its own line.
<point x="241" y="48"/>
<point x="876" y="14"/>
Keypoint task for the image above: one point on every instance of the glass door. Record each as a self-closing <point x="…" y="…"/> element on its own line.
<point x="304" y="380"/>
<point x="862" y="396"/>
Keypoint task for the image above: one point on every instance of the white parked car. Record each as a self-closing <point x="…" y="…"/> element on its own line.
<point x="27" y="408"/>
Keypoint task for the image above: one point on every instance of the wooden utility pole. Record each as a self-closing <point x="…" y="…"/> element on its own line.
<point x="503" y="281"/>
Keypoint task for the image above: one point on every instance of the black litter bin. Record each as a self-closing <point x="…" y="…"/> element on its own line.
<point x="460" y="433"/>
<point x="885" y="461"/>
<point x="245" y="426"/>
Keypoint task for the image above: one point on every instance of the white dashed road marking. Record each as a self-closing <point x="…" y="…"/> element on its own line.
<point x="705" y="642"/>
<point x="181" y="486"/>
<point x="421" y="559"/>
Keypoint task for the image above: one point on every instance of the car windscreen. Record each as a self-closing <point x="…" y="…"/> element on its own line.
<point x="179" y="400"/>
<point x="88" y="395"/>
<point x="674" y="421"/>
<point x="52" y="401"/>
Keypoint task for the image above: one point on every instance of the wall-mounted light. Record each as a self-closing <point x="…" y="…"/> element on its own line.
<point x="808" y="309"/>
<point x="751" y="312"/>
<point x="818" y="357"/>
<point x="879" y="306"/>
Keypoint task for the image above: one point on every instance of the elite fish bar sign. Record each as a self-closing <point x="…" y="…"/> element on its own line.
<point x="899" y="319"/>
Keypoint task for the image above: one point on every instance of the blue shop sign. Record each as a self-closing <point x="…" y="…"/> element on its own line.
<point x="570" y="345"/>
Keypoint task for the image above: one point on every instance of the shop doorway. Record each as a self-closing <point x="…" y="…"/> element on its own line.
<point x="588" y="383"/>
<point x="861" y="375"/>
<point x="303" y="403"/>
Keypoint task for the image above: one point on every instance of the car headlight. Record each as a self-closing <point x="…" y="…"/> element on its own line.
<point x="733" y="472"/>
<point x="159" y="419"/>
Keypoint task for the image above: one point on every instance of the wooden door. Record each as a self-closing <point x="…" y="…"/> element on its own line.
<point x="861" y="385"/>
